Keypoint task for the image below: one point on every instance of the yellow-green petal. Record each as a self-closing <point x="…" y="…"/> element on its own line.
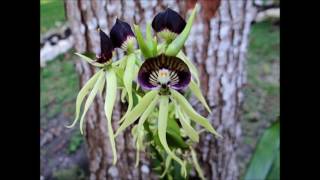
<point x="192" y="133"/>
<point x="90" y="99"/>
<point x="197" y="92"/>
<point x="187" y="108"/>
<point x="193" y="69"/>
<point x="140" y="127"/>
<point x="127" y="80"/>
<point x="162" y="129"/>
<point x="196" y="164"/>
<point x="83" y="92"/>
<point x="111" y="92"/>
<point x="89" y="60"/>
<point x="137" y="110"/>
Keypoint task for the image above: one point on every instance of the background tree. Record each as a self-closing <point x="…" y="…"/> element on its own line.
<point x="217" y="45"/>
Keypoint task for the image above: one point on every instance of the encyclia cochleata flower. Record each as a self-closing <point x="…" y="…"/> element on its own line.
<point x="164" y="76"/>
<point x="104" y="78"/>
<point x="164" y="113"/>
<point x="123" y="37"/>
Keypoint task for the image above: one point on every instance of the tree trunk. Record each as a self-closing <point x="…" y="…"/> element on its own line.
<point x="217" y="45"/>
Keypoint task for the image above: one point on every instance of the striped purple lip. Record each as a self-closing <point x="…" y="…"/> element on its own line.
<point x="164" y="71"/>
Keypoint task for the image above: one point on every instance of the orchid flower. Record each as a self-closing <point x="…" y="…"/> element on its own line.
<point x="104" y="78"/>
<point x="164" y="76"/>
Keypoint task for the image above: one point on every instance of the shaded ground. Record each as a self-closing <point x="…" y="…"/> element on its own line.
<point x="62" y="150"/>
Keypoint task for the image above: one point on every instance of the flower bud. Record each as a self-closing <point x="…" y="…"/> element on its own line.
<point x="168" y="24"/>
<point x="122" y="36"/>
<point x="106" y="48"/>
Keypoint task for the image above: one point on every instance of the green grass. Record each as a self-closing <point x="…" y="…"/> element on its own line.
<point x="51" y="14"/>
<point x="59" y="87"/>
<point x="262" y="93"/>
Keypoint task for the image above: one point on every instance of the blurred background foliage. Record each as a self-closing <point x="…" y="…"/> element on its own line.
<point x="258" y="154"/>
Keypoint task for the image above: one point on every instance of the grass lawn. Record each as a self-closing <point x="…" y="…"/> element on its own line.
<point x="51" y="14"/>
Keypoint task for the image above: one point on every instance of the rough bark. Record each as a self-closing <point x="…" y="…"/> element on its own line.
<point x="217" y="45"/>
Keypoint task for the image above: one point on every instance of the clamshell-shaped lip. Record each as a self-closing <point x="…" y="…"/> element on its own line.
<point x="164" y="71"/>
<point x="120" y="33"/>
<point x="168" y="20"/>
<point x="106" y="48"/>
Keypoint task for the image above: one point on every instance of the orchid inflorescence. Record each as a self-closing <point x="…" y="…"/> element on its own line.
<point x="156" y="74"/>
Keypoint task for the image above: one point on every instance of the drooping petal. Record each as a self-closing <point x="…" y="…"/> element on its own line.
<point x="127" y="80"/>
<point x="142" y="119"/>
<point x="106" y="48"/>
<point x="90" y="100"/>
<point x="187" y="108"/>
<point x="192" y="133"/>
<point x="162" y="129"/>
<point x="193" y="69"/>
<point x="137" y="110"/>
<point x="111" y="92"/>
<point x="121" y="35"/>
<point x="196" y="164"/>
<point x="89" y="60"/>
<point x="197" y="92"/>
<point x="83" y="92"/>
<point x="164" y="70"/>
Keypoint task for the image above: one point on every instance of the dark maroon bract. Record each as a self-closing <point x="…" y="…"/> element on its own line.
<point x="120" y="33"/>
<point x="169" y="20"/>
<point x="164" y="71"/>
<point x="106" y="48"/>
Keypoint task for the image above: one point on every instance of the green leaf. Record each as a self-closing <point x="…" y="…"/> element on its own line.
<point x="265" y="153"/>
<point x="83" y="92"/>
<point x="90" y="99"/>
<point x="127" y="80"/>
<point x="274" y="173"/>
<point x="192" y="133"/>
<point x="196" y="164"/>
<point x="197" y="92"/>
<point x="111" y="93"/>
<point x="162" y="128"/>
<point x="193" y="69"/>
<point x="176" y="45"/>
<point x="187" y="108"/>
<point x="141" y="42"/>
<point x="137" y="110"/>
<point x="89" y="60"/>
<point x="173" y="135"/>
